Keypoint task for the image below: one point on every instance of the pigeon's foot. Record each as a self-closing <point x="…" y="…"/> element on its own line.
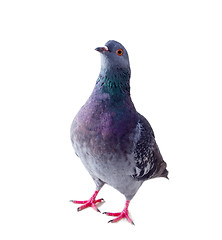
<point x="120" y="215"/>
<point x="89" y="203"/>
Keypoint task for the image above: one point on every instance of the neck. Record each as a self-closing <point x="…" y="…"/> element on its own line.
<point x="114" y="82"/>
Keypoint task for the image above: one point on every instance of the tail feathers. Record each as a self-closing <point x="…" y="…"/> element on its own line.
<point x="165" y="174"/>
<point x="161" y="171"/>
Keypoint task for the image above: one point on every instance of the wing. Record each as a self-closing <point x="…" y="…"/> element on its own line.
<point x="148" y="160"/>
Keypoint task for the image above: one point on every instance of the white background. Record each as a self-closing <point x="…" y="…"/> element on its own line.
<point x="48" y="69"/>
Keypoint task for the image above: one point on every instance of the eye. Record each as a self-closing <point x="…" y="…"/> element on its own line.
<point x="119" y="52"/>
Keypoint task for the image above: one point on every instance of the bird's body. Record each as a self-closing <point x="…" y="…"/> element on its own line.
<point x="115" y="143"/>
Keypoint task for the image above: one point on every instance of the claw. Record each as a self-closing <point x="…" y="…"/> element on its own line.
<point x="120" y="215"/>
<point x="98" y="210"/>
<point x="113" y="214"/>
<point x="89" y="203"/>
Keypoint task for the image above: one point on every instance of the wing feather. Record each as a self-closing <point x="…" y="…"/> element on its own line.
<point x="148" y="159"/>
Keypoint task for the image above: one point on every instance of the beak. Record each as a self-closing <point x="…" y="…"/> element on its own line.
<point x="102" y="49"/>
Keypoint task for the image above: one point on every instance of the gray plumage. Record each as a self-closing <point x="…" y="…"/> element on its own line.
<point x="115" y="143"/>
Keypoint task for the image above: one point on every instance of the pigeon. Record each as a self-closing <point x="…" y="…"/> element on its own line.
<point x="115" y="143"/>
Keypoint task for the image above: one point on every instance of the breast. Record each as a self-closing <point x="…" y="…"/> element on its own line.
<point x="100" y="129"/>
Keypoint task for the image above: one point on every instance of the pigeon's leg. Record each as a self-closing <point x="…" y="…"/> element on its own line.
<point x="89" y="203"/>
<point x="121" y="215"/>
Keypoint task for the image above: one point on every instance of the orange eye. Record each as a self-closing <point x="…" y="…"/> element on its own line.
<point x="119" y="52"/>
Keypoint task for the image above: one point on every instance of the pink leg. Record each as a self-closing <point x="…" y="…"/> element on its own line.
<point x="89" y="203"/>
<point x="121" y="215"/>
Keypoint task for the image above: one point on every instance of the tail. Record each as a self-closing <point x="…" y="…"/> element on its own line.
<point x="161" y="166"/>
<point x="165" y="174"/>
<point x="161" y="171"/>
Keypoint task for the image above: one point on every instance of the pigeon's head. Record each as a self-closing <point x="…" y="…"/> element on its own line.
<point x="114" y="56"/>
